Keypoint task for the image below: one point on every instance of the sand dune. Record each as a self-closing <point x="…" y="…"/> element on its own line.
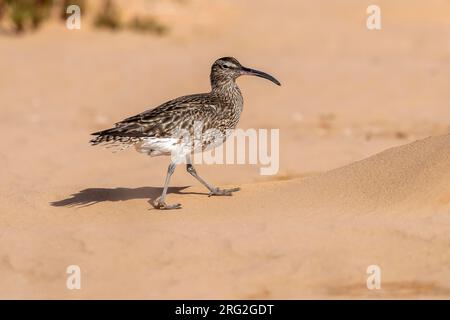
<point x="305" y="238"/>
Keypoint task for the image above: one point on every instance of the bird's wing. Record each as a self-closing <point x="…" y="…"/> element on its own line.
<point x="165" y="120"/>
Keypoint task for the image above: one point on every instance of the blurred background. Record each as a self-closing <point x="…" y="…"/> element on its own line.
<point x="347" y="92"/>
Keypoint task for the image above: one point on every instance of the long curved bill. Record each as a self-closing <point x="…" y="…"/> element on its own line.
<point x="253" y="72"/>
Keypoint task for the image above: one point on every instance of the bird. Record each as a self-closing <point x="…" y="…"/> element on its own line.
<point x="156" y="132"/>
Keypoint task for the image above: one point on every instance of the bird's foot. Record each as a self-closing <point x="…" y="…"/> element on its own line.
<point x="162" y="205"/>
<point x="223" y="192"/>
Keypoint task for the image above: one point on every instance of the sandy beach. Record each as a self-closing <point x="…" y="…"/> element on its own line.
<point x="364" y="175"/>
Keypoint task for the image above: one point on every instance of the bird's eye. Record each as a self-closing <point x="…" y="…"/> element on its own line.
<point x="225" y="66"/>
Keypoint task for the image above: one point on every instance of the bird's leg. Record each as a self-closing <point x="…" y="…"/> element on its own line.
<point x="213" y="191"/>
<point x="160" y="203"/>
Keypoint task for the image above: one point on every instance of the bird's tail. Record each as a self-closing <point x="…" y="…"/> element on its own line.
<point x="108" y="139"/>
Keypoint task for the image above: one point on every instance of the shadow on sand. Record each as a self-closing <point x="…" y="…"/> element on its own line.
<point x="90" y="196"/>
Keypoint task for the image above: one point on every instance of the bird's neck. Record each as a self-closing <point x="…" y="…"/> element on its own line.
<point x="231" y="101"/>
<point x="227" y="90"/>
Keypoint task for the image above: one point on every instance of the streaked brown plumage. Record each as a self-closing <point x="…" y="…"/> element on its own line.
<point x="153" y="131"/>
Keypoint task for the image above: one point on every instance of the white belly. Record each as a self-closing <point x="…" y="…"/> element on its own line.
<point x="158" y="146"/>
<point x="175" y="147"/>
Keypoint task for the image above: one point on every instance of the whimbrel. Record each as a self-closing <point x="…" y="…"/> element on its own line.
<point x="156" y="131"/>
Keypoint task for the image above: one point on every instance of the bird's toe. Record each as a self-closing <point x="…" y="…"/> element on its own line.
<point x="223" y="192"/>
<point x="162" y="205"/>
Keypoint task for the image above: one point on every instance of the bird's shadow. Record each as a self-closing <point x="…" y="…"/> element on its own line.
<point x="91" y="196"/>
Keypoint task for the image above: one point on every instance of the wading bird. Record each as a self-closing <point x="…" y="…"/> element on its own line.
<point x="157" y="131"/>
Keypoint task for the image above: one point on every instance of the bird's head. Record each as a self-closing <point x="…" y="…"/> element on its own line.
<point x="228" y="69"/>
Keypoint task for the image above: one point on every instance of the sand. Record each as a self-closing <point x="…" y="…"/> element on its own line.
<point x="372" y="105"/>
<point x="307" y="238"/>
